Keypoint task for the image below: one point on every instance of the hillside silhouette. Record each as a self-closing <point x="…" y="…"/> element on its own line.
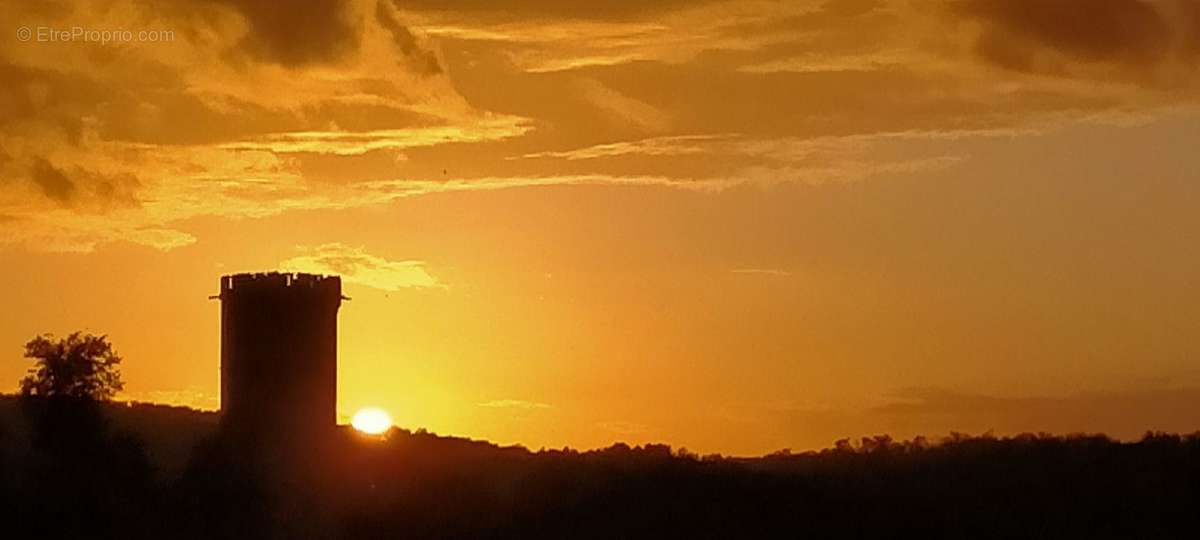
<point x="152" y="471"/>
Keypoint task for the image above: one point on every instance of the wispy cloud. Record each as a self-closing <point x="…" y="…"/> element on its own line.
<point x="94" y="151"/>
<point x="812" y="161"/>
<point x="676" y="145"/>
<point x="762" y="271"/>
<point x="623" y="428"/>
<point x="640" y="114"/>
<point x="514" y="404"/>
<point x="817" y="63"/>
<point x="357" y="266"/>
<point x="348" y="143"/>
<point x="247" y="184"/>
<point x="574" y="42"/>
<point x="392" y="189"/>
<point x="781" y="149"/>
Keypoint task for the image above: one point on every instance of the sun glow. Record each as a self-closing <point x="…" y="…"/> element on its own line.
<point x="371" y="420"/>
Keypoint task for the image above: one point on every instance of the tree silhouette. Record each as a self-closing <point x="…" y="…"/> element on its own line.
<point x="80" y="366"/>
<point x="82" y="477"/>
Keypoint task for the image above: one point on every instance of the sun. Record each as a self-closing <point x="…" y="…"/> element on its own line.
<point x="371" y="420"/>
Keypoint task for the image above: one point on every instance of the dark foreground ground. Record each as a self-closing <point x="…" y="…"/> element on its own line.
<point x="159" y="472"/>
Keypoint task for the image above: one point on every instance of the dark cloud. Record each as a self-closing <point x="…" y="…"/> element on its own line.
<point x="1189" y="18"/>
<point x="1091" y="29"/>
<point x="424" y="61"/>
<point x="85" y="190"/>
<point x="115" y="191"/>
<point x="53" y="182"/>
<point x="321" y="32"/>
<point x="299" y="33"/>
<point x="1133" y="34"/>
<point x="46" y="97"/>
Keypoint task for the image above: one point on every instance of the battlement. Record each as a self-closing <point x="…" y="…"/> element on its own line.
<point x="264" y="282"/>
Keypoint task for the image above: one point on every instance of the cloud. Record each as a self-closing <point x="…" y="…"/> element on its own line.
<point x="1139" y="37"/>
<point x="773" y="148"/>
<point x="548" y="9"/>
<point x="350" y="143"/>
<point x="122" y="147"/>
<point x="252" y="111"/>
<point x="314" y="31"/>
<point x="846" y="171"/>
<point x="851" y="8"/>
<point x="425" y="61"/>
<point x="553" y="42"/>
<point x="241" y="184"/>
<point x="1116" y="30"/>
<point x="813" y="161"/>
<point x="355" y="265"/>
<point x="656" y="146"/>
<point x="826" y="62"/>
<point x="391" y="189"/>
<point x="762" y="69"/>
<point x="53" y="182"/>
<point x="623" y="428"/>
<point x="624" y="108"/>
<point x="762" y="271"/>
<point x="514" y="404"/>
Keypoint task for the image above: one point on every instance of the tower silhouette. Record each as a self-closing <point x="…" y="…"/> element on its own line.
<point x="279" y="353"/>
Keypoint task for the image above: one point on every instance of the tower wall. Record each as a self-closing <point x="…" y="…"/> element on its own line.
<point x="279" y="352"/>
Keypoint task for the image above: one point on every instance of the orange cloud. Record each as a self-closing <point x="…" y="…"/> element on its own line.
<point x="1152" y="41"/>
<point x="355" y="265"/>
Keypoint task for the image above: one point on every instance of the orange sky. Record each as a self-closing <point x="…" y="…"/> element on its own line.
<point x="735" y="226"/>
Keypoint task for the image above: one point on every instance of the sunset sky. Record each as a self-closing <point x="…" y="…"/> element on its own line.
<point x="733" y="226"/>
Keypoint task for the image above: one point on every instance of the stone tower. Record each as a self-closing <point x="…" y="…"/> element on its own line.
<point x="279" y="353"/>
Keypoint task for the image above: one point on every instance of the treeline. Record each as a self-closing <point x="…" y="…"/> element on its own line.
<point x="76" y="473"/>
